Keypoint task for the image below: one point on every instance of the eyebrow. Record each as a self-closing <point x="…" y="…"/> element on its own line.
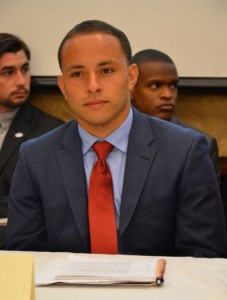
<point x="8" y="68"/>
<point x="101" y="64"/>
<point x="161" y="80"/>
<point x="107" y="62"/>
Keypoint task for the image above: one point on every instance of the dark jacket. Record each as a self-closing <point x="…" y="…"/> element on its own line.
<point x="28" y="123"/>
<point x="170" y="201"/>
<point x="212" y="146"/>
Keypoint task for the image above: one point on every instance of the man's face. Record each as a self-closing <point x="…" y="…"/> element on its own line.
<point x="96" y="80"/>
<point x="155" y="92"/>
<point x="14" y="80"/>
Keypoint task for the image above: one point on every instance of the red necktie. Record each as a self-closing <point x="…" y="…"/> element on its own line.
<point x="102" y="223"/>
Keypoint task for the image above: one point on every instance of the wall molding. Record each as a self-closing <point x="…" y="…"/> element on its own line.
<point x="203" y="82"/>
<point x="184" y="82"/>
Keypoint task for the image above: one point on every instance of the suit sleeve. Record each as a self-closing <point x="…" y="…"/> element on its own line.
<point x="199" y="212"/>
<point x="213" y="152"/>
<point x="25" y="207"/>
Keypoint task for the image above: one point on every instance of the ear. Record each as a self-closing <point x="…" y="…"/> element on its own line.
<point x="132" y="75"/>
<point x="61" y="86"/>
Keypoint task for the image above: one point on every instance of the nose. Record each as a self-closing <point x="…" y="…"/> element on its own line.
<point x="20" y="79"/>
<point x="167" y="93"/>
<point x="94" y="84"/>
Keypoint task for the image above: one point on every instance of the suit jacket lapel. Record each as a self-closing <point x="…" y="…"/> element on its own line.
<point x="19" y="128"/>
<point x="72" y="171"/>
<point x="140" y="154"/>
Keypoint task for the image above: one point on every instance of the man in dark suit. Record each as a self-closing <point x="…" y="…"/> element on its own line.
<point x="18" y="120"/>
<point x="166" y="195"/>
<point x="155" y="93"/>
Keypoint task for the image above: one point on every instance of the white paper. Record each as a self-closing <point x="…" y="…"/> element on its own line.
<point x="98" y="270"/>
<point x="48" y="274"/>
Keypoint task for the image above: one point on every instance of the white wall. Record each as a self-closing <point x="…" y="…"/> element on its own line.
<point x="192" y="32"/>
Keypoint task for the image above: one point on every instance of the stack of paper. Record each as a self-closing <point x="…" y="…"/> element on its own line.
<point x="100" y="270"/>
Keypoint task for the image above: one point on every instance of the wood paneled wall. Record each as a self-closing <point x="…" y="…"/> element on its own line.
<point x="205" y="109"/>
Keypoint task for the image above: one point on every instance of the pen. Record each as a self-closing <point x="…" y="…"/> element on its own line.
<point x="160" y="270"/>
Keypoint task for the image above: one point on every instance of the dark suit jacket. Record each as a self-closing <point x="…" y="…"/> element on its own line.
<point x="212" y="146"/>
<point x="170" y="200"/>
<point x="31" y="122"/>
<point x="223" y="188"/>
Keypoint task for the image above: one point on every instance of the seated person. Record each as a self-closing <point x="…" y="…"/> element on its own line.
<point x="107" y="182"/>
<point x="155" y="93"/>
<point x="18" y="120"/>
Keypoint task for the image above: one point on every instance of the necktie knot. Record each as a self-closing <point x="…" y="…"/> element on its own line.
<point x="102" y="149"/>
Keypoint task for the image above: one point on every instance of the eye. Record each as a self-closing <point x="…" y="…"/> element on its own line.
<point x="25" y="69"/>
<point x="76" y="74"/>
<point x="154" y="86"/>
<point x="107" y="70"/>
<point x="7" y="73"/>
<point x="174" y="86"/>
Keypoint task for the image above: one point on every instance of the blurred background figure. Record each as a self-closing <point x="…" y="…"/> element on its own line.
<point x="155" y="93"/>
<point x="18" y="120"/>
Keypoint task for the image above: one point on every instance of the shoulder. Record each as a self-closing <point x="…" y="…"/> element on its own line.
<point x="210" y="139"/>
<point x="33" y="114"/>
<point x="163" y="129"/>
<point x="167" y="138"/>
<point x="52" y="139"/>
<point x="45" y="117"/>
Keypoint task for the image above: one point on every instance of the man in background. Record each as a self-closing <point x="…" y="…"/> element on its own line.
<point x="155" y="93"/>
<point x="18" y="120"/>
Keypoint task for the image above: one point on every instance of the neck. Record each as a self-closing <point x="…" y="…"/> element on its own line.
<point x="4" y="109"/>
<point x="105" y="128"/>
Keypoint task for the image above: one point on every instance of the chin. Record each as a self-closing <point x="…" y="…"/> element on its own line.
<point x="164" y="116"/>
<point x="17" y="103"/>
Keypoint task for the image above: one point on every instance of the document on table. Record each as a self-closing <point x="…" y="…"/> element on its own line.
<point x="106" y="270"/>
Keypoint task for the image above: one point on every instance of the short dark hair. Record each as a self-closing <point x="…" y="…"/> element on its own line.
<point x="151" y="55"/>
<point x="12" y="43"/>
<point x="92" y="26"/>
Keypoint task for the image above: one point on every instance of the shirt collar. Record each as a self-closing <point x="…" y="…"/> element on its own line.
<point x="118" y="138"/>
<point x="7" y="118"/>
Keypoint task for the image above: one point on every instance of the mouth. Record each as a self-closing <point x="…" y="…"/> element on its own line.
<point x="20" y="93"/>
<point x="96" y="103"/>
<point x="167" y="107"/>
